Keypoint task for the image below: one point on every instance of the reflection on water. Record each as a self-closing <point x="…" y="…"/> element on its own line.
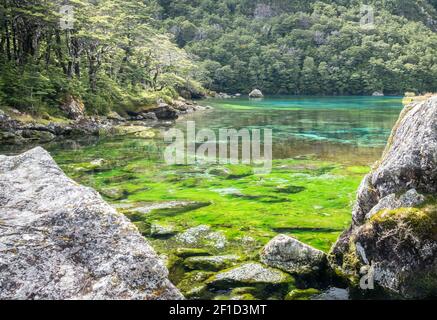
<point x="345" y="129"/>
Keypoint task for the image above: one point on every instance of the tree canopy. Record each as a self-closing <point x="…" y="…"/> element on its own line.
<point x="128" y="53"/>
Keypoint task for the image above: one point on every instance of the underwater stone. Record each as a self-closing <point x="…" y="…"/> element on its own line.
<point x="114" y="193"/>
<point x="291" y="255"/>
<point x="60" y="240"/>
<point x="333" y="294"/>
<point x="249" y="274"/>
<point x="158" y="230"/>
<point x="193" y="284"/>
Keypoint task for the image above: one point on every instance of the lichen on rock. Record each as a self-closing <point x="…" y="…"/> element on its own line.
<point x="60" y="240"/>
<point x="394" y="228"/>
<point x="291" y="255"/>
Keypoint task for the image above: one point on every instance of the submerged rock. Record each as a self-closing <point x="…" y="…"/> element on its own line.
<point x="256" y="93"/>
<point x="393" y="233"/>
<point x="332" y="294"/>
<point x="60" y="240"/>
<point x="158" y="230"/>
<point x="193" y="284"/>
<point x="211" y="263"/>
<point x="291" y="255"/>
<point x="191" y="252"/>
<point x="298" y="294"/>
<point x="407" y="200"/>
<point x="73" y="108"/>
<point x="248" y="275"/>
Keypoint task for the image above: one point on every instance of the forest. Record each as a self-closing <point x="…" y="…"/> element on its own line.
<point x="115" y="54"/>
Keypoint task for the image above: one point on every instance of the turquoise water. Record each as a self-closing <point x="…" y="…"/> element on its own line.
<point x="350" y="129"/>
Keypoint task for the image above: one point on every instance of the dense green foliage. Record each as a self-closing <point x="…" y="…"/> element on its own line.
<point x="309" y="47"/>
<point x="127" y="54"/>
<point x="111" y="56"/>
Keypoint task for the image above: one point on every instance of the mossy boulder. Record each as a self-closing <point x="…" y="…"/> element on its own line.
<point x="114" y="193"/>
<point x="298" y="294"/>
<point x="211" y="263"/>
<point x="37" y="135"/>
<point x="193" y="284"/>
<point x="252" y="274"/>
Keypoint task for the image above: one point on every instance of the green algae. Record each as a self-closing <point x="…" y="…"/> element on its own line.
<point x="307" y="198"/>
<point x="311" y="198"/>
<point x="305" y="294"/>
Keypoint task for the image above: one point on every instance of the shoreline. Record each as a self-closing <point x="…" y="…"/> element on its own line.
<point x="22" y="129"/>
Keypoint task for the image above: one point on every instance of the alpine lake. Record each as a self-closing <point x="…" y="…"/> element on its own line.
<point x="205" y="218"/>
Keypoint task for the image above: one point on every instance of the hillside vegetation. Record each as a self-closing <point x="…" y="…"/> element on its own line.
<point x="127" y="54"/>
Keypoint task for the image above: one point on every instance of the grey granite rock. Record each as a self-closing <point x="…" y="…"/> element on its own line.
<point x="291" y="255"/>
<point x="393" y="233"/>
<point x="60" y="240"/>
<point x="256" y="93"/>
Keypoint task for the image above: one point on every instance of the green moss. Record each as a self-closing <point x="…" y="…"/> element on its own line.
<point x="306" y="198"/>
<point x="298" y="294"/>
<point x="211" y="263"/>
<point x="192" y="284"/>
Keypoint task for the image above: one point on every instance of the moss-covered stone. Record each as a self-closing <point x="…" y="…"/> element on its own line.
<point x="191" y="252"/>
<point x="298" y="294"/>
<point x="193" y="284"/>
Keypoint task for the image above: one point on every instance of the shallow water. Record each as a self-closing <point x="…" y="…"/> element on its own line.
<point x="322" y="148"/>
<point x="351" y="130"/>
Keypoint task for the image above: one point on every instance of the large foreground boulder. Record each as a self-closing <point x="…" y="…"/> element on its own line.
<point x="291" y="255"/>
<point x="393" y="236"/>
<point x="60" y="240"/>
